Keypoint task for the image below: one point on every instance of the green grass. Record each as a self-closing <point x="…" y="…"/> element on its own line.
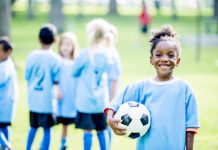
<point x="134" y="51"/>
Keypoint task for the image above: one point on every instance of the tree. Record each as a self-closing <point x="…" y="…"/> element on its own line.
<point x="216" y="12"/>
<point x="5" y="17"/>
<point x="216" y="9"/>
<point x="31" y="13"/>
<point x="112" y="7"/>
<point x="12" y="11"/>
<point x="174" y="9"/>
<point x="56" y="14"/>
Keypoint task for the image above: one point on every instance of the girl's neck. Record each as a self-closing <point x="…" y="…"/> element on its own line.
<point x="45" y="47"/>
<point x="67" y="57"/>
<point x="162" y="79"/>
<point x="4" y="59"/>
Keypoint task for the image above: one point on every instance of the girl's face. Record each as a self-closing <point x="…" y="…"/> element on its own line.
<point x="164" y="58"/>
<point x="66" y="47"/>
<point x="4" y="55"/>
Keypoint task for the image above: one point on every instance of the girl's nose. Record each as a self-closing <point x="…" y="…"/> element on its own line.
<point x="164" y="58"/>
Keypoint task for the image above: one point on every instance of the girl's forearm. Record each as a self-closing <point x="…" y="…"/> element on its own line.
<point x="189" y="140"/>
<point x="113" y="88"/>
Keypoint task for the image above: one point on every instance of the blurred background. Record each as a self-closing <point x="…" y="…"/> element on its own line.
<point x="196" y="21"/>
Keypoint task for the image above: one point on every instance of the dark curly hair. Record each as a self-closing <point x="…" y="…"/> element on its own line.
<point x="166" y="33"/>
<point x="6" y="44"/>
<point x="47" y="33"/>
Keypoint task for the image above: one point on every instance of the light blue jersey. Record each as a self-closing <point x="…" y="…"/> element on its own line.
<point x="42" y="72"/>
<point x="91" y="68"/>
<point x="173" y="108"/>
<point x="114" y="71"/>
<point x="8" y="91"/>
<point x="66" y="106"/>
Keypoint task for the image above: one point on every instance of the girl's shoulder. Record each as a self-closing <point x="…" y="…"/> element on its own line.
<point x="67" y="62"/>
<point x="150" y="82"/>
<point x="138" y="84"/>
<point x="83" y="52"/>
<point x="7" y="63"/>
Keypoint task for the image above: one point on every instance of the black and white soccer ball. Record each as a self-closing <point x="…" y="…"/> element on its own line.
<point x="135" y="118"/>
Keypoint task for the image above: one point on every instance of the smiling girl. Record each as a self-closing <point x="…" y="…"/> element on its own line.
<point x="171" y="101"/>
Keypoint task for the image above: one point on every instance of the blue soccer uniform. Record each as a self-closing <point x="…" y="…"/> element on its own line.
<point x="42" y="72"/>
<point x="8" y="99"/>
<point x="66" y="105"/>
<point x="173" y="109"/>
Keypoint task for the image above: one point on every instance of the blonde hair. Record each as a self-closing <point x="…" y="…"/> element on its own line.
<point x="73" y="38"/>
<point x="112" y="36"/>
<point x="98" y="30"/>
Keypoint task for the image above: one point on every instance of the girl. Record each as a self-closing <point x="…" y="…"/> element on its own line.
<point x="171" y="101"/>
<point x="66" y="110"/>
<point x="114" y="71"/>
<point x="8" y="90"/>
<point x="91" y="68"/>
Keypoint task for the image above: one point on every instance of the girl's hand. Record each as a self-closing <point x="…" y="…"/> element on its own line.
<point x="58" y="93"/>
<point x="114" y="124"/>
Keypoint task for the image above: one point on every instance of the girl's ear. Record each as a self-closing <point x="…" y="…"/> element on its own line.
<point x="178" y="61"/>
<point x="55" y="40"/>
<point x="151" y="60"/>
<point x="9" y="52"/>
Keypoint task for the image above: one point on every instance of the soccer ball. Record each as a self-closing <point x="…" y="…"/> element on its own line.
<point x="135" y="118"/>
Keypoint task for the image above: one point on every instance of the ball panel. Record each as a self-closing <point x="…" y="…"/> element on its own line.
<point x="134" y="135"/>
<point x="144" y="119"/>
<point x="126" y="119"/>
<point x="133" y="104"/>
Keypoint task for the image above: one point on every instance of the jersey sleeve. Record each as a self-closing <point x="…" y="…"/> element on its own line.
<point x="130" y="93"/>
<point x="191" y="110"/>
<point x="56" y="69"/>
<point x="114" y="70"/>
<point x="80" y="63"/>
<point x="28" y="68"/>
<point x="4" y="75"/>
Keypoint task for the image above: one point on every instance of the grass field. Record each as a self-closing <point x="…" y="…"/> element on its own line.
<point x="134" y="51"/>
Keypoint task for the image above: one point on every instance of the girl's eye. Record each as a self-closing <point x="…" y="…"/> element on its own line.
<point x="157" y="55"/>
<point x="171" y="55"/>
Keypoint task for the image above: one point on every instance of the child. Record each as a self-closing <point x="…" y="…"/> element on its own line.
<point x="144" y="18"/>
<point x="171" y="101"/>
<point x="91" y="68"/>
<point x="8" y="90"/>
<point x="114" y="71"/>
<point x="42" y="73"/>
<point x="66" y="110"/>
<point x="113" y="75"/>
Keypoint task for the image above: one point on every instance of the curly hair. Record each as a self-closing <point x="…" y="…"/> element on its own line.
<point x="166" y="33"/>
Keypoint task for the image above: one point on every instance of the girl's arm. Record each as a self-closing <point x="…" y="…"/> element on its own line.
<point x="189" y="140"/>
<point x="57" y="92"/>
<point x="80" y="63"/>
<point x="114" y="84"/>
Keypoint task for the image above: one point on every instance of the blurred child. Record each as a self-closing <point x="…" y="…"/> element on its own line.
<point x="42" y="73"/>
<point x="91" y="68"/>
<point x="144" y="18"/>
<point x="114" y="70"/>
<point x="66" y="109"/>
<point x="8" y="90"/>
<point x="171" y="101"/>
